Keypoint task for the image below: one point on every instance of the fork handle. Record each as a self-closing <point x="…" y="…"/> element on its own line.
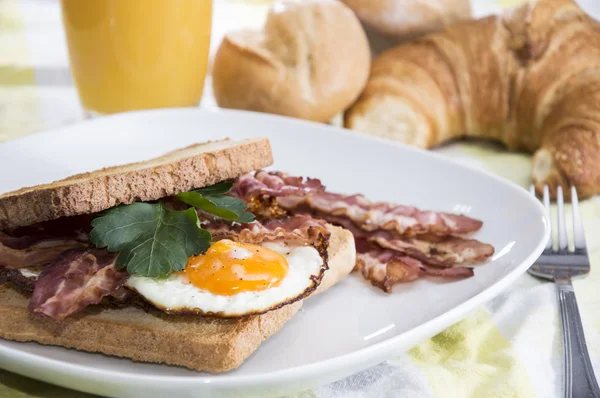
<point x="579" y="380"/>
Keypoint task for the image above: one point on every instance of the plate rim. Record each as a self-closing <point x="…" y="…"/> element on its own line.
<point x="335" y="364"/>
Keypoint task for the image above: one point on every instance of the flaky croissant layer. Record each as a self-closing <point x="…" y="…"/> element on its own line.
<point x="529" y="78"/>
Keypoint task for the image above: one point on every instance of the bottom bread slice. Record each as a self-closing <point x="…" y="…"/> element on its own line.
<point x="200" y="343"/>
<point x="208" y="344"/>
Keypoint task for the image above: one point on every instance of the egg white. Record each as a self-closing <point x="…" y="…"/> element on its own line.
<point x="177" y="295"/>
<point x="30" y="272"/>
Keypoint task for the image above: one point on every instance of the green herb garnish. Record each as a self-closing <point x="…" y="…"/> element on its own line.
<point x="227" y="207"/>
<point x="212" y="200"/>
<point x="155" y="241"/>
<point x="152" y="240"/>
<point x="220" y="188"/>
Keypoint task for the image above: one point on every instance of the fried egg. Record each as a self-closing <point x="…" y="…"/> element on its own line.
<point x="235" y="279"/>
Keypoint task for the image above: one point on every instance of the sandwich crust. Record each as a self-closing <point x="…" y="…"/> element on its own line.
<point x="192" y="167"/>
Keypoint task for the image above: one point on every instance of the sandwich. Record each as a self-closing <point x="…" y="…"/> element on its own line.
<point x="182" y="259"/>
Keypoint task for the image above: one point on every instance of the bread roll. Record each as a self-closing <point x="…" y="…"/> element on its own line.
<point x="404" y="19"/>
<point x="311" y="61"/>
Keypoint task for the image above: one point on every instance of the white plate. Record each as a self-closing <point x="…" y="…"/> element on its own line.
<point x="345" y="330"/>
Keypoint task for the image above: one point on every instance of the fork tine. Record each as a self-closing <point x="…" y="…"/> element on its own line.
<point x="562" y="229"/>
<point x="578" y="234"/>
<point x="547" y="207"/>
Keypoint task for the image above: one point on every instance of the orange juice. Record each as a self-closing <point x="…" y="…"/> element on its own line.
<point x="138" y="54"/>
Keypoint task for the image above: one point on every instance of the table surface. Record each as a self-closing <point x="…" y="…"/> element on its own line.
<point x="510" y="347"/>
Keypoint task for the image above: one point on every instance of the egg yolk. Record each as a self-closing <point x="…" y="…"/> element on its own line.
<point x="228" y="268"/>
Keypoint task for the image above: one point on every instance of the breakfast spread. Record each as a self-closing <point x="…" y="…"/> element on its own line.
<point x="197" y="257"/>
<point x="528" y="79"/>
<point x="201" y="245"/>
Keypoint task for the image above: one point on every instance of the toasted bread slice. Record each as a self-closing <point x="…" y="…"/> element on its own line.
<point x="178" y="171"/>
<point x="206" y="344"/>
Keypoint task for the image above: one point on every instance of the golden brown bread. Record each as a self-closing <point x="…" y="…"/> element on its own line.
<point x="529" y="79"/>
<point x="341" y="244"/>
<point x="199" y="343"/>
<point x="405" y="19"/>
<point x="310" y="61"/>
<point x="178" y="171"/>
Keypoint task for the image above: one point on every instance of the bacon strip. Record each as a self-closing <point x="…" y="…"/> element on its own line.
<point x="273" y="184"/>
<point x="394" y="243"/>
<point x="440" y="251"/>
<point x="301" y="228"/>
<point x="435" y="250"/>
<point x="41" y="243"/>
<point x="385" y="268"/>
<point x="76" y="227"/>
<point x="75" y="280"/>
<point x="372" y="216"/>
<point x="14" y="276"/>
<point x="31" y="251"/>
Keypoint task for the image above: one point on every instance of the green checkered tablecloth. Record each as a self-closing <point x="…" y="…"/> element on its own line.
<point x="510" y="347"/>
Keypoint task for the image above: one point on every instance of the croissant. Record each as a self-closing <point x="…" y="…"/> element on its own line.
<point x="529" y="79"/>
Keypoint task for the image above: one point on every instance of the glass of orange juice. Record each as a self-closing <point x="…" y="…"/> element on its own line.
<point x="137" y="54"/>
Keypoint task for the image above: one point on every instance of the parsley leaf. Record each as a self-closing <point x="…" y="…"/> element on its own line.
<point x="152" y="240"/>
<point x="227" y="207"/>
<point x="155" y="241"/>
<point x="219" y="188"/>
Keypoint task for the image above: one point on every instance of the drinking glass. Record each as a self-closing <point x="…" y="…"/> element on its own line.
<point x="137" y="54"/>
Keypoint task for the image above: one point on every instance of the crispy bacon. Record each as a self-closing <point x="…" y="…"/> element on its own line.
<point x="394" y="243"/>
<point x="371" y="216"/>
<point x="76" y="226"/>
<point x="14" y="276"/>
<point x="436" y="250"/>
<point x="31" y="251"/>
<point x="41" y="243"/>
<point x="385" y="268"/>
<point x="440" y="251"/>
<point x="76" y="279"/>
<point x="274" y="184"/>
<point x="301" y="228"/>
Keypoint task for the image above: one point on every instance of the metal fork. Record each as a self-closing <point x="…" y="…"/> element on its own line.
<point x="560" y="266"/>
